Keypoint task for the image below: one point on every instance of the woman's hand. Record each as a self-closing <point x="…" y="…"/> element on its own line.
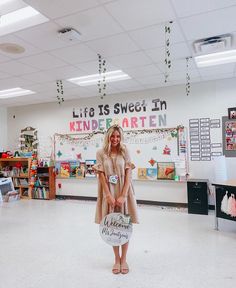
<point x="110" y="200"/>
<point x="120" y="201"/>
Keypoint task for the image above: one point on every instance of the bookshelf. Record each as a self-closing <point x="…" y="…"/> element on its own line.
<point x="18" y="169"/>
<point x="44" y="186"/>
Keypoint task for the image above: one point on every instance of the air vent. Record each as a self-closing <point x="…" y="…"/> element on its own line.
<point x="213" y="44"/>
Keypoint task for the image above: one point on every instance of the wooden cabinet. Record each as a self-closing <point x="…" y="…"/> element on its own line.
<point x="18" y="169"/>
<point x="44" y="186"/>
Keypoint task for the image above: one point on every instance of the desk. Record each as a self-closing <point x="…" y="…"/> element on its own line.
<point x="220" y="190"/>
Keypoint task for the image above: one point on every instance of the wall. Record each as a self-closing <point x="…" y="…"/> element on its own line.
<point x="3" y="129"/>
<point x="207" y="99"/>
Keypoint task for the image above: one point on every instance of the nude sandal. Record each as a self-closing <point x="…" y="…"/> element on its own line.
<point x="124" y="268"/>
<point x="116" y="269"/>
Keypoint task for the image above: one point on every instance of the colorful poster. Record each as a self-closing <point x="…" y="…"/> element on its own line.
<point x="230" y="135"/>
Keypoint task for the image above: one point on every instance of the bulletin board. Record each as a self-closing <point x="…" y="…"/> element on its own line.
<point x="147" y="148"/>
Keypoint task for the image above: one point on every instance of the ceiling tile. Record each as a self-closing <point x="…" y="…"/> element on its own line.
<point x="130" y="60"/>
<point x="75" y="54"/>
<point x="186" y="8"/>
<point x="151" y="79"/>
<point x="127" y="84"/>
<point x="142" y="71"/>
<point x="44" y="36"/>
<point x="16" y="68"/>
<point x="181" y="75"/>
<point x="154" y="36"/>
<point x="112" y="46"/>
<point x="209" y="24"/>
<point x="4" y="58"/>
<point x="178" y="50"/>
<point x="14" y="82"/>
<point x="135" y="14"/>
<point x="4" y="75"/>
<point x="58" y="8"/>
<point x="43" y="61"/>
<point x="92" y="67"/>
<point x="92" y="24"/>
<point x="62" y="73"/>
<point x="12" y="39"/>
<point x="177" y="65"/>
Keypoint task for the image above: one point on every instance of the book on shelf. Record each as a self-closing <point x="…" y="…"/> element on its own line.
<point x="58" y="168"/>
<point x="65" y="169"/>
<point x="147" y="173"/>
<point x="80" y="171"/>
<point x="89" y="168"/>
<point x="16" y="182"/>
<point x="23" y="182"/>
<point x="74" y="165"/>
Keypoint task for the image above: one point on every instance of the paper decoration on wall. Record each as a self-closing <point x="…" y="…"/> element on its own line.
<point x="153" y="135"/>
<point x="152" y="161"/>
<point x="78" y="156"/>
<point x="28" y="141"/>
<point x="59" y="154"/>
<point x="166" y="170"/>
<point x="166" y="150"/>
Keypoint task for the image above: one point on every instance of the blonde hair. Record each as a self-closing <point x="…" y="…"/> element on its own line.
<point x="107" y="142"/>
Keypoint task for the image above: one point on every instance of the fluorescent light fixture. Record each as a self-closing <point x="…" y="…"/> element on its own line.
<point x="218" y="58"/>
<point x="93" y="79"/>
<point x="18" y="15"/>
<point x="20" y="19"/>
<point x="14" y="92"/>
<point x="3" y="2"/>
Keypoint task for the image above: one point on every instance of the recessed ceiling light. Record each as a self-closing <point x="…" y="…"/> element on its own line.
<point x="218" y="58"/>
<point x="14" y="92"/>
<point x="93" y="79"/>
<point x="20" y="19"/>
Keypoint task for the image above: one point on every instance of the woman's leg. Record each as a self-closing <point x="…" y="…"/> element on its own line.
<point x="124" y="265"/>
<point x="116" y="266"/>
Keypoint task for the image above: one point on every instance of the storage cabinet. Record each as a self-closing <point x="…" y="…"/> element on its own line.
<point x="44" y="186"/>
<point x="18" y="169"/>
<point x="197" y="196"/>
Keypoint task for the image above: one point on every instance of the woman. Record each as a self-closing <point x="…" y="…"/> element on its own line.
<point x="114" y="160"/>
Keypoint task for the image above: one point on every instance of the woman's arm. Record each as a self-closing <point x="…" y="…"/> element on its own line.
<point x="124" y="192"/>
<point x="109" y="198"/>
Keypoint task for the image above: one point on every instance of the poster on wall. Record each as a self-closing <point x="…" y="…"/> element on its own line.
<point x="201" y="139"/>
<point x="229" y="136"/>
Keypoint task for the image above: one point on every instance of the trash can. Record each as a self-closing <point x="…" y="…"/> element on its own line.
<point x="197" y="196"/>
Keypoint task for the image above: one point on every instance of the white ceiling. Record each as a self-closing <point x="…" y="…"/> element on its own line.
<point x="129" y="34"/>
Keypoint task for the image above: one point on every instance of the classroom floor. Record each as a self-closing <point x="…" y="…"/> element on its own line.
<point x="55" y="244"/>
